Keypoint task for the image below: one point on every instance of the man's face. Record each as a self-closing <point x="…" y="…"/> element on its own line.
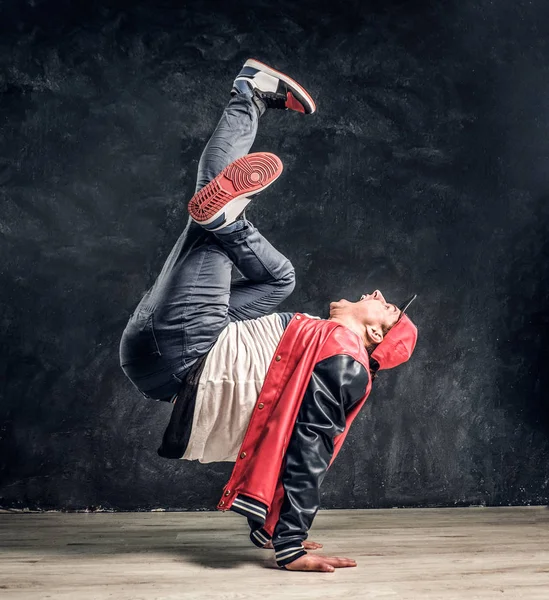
<point x="371" y="309"/>
<point x="374" y="307"/>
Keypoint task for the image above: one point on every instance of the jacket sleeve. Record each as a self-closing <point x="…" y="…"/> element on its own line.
<point x="259" y="536"/>
<point x="336" y="384"/>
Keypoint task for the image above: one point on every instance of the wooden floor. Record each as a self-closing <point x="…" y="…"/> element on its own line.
<point x="402" y="554"/>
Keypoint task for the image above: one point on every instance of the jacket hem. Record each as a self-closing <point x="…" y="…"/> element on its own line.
<point x="248" y="507"/>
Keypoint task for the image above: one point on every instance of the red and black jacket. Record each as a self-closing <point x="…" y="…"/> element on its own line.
<point x="316" y="384"/>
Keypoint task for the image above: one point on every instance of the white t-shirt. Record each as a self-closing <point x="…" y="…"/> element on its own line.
<point x="232" y="378"/>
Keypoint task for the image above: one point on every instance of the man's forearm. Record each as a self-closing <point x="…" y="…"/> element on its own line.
<point x="320" y="419"/>
<point x="336" y="384"/>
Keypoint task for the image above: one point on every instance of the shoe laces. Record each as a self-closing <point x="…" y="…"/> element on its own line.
<point x="272" y="99"/>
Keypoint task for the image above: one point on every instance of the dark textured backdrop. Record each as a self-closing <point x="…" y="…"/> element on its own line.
<point x="425" y="170"/>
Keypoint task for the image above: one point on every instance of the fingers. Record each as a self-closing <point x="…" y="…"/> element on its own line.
<point x="339" y="562"/>
<point x="324" y="564"/>
<point x="326" y="568"/>
<point x="309" y="562"/>
<point x="306" y="544"/>
<point x="311" y="545"/>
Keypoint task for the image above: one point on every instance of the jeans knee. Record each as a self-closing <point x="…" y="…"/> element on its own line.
<point x="288" y="279"/>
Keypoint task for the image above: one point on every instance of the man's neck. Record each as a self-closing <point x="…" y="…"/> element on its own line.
<point x="354" y="325"/>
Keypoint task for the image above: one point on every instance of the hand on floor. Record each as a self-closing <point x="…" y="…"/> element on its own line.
<point x="306" y="544"/>
<point x="326" y="564"/>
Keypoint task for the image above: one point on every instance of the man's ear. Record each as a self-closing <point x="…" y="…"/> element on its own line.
<point x="374" y="334"/>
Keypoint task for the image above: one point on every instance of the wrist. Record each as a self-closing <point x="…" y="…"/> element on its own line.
<point x="288" y="552"/>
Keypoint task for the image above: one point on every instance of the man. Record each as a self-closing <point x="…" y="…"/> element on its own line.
<point x="273" y="392"/>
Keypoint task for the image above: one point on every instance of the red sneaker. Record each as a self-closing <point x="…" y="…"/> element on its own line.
<point x="274" y="88"/>
<point x="219" y="203"/>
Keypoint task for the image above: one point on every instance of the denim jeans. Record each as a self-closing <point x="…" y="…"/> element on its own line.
<point x="194" y="298"/>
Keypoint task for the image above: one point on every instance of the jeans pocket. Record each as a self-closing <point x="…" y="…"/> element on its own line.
<point x="138" y="344"/>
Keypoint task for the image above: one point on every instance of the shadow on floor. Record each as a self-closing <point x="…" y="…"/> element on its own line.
<point x="203" y="547"/>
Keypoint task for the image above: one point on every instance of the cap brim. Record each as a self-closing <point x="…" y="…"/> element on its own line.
<point x="404" y="307"/>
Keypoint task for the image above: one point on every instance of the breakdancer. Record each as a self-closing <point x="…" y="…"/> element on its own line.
<point x="273" y="392"/>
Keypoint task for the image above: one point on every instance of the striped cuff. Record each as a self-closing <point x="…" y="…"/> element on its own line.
<point x="289" y="554"/>
<point x="253" y="509"/>
<point x="260" y="537"/>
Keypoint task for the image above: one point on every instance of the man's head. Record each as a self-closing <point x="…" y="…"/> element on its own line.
<point x="371" y="317"/>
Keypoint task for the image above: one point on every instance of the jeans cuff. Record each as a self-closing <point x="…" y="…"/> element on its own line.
<point x="239" y="226"/>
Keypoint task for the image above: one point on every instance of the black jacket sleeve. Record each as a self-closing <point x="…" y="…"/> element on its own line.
<point x="336" y="384"/>
<point x="258" y="535"/>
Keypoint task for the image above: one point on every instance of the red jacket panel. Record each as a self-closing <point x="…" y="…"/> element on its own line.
<point x="305" y="342"/>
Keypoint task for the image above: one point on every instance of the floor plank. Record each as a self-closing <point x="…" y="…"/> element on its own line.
<point x="438" y="554"/>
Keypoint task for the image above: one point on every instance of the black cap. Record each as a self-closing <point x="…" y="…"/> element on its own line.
<point x="404" y="306"/>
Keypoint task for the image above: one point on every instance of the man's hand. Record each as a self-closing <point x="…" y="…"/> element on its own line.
<point x="306" y="544"/>
<point x="314" y="562"/>
<point x="311" y="545"/>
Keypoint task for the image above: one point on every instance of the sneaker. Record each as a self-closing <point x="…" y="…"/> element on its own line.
<point x="221" y="201"/>
<point x="274" y="88"/>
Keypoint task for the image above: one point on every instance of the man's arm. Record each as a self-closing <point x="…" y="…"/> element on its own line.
<point x="336" y="384"/>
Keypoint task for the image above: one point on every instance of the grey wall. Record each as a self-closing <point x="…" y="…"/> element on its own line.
<point x="425" y="170"/>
